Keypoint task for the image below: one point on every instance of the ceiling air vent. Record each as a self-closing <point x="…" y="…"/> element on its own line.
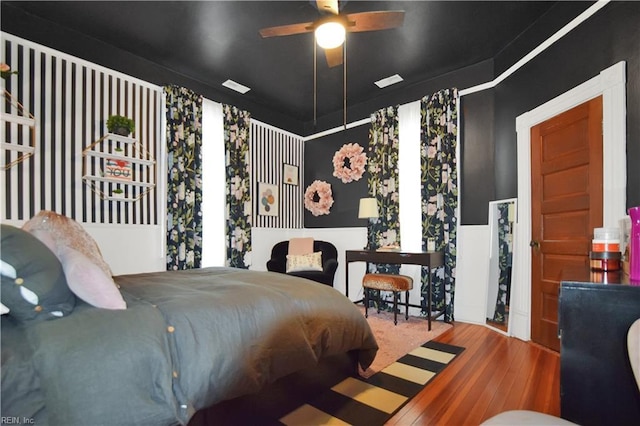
<point x="388" y="81"/>
<point x="236" y="86"/>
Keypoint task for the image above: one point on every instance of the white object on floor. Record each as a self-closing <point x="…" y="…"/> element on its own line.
<point x="525" y="417"/>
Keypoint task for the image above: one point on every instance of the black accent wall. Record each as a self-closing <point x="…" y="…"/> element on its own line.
<point x="610" y="36"/>
<point x="318" y="160"/>
<point x="476" y="135"/>
<point x="477" y="157"/>
<point x="488" y="165"/>
<point x="489" y="157"/>
<point x="478" y="126"/>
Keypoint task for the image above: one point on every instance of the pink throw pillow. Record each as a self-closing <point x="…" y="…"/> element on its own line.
<point x="88" y="281"/>
<point x="67" y="232"/>
<point x="299" y="246"/>
<point x="88" y="275"/>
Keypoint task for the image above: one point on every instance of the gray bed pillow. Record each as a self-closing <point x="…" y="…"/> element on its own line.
<point x="34" y="287"/>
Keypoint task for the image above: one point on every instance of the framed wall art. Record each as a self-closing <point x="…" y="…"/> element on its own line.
<point x="290" y="174"/>
<point x="267" y="199"/>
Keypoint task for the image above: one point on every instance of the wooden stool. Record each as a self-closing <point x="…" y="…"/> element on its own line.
<point x="387" y="282"/>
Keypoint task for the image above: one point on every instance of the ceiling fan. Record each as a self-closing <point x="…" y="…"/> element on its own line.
<point x="335" y="21"/>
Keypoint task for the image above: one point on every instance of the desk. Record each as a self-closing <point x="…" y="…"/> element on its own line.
<point x="429" y="259"/>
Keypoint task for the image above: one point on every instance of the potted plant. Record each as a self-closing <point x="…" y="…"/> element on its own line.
<point x="120" y="125"/>
<point x="117" y="193"/>
<point x="5" y="71"/>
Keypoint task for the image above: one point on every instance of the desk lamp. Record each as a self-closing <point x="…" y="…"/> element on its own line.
<point x="368" y="210"/>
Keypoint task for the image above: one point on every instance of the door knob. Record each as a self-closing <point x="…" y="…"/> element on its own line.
<point x="534" y="244"/>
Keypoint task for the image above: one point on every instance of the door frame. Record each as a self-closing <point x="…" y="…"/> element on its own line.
<point x="610" y="84"/>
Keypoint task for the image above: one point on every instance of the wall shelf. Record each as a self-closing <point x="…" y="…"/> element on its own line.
<point x="19" y="148"/>
<point x="115" y="180"/>
<point x="18" y="118"/>
<point x="121" y="157"/>
<point x="122" y="199"/>
<point x="118" y="162"/>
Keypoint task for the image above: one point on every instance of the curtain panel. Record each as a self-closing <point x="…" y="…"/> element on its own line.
<point x="184" y="181"/>
<point x="238" y="182"/>
<point x="438" y="129"/>
<point x="382" y="167"/>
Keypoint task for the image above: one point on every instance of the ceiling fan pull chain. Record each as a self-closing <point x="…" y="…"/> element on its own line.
<point x="315" y="83"/>
<point x="344" y="83"/>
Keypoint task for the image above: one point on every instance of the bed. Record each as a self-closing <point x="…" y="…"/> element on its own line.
<point x="186" y="340"/>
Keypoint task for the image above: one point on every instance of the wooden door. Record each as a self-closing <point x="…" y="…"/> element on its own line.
<point x="566" y="205"/>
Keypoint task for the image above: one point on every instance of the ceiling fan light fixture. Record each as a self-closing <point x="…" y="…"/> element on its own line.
<point x="330" y="35"/>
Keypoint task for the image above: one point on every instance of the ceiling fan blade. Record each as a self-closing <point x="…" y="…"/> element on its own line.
<point x="330" y="6"/>
<point x="373" y="21"/>
<point x="285" y="30"/>
<point x="334" y="56"/>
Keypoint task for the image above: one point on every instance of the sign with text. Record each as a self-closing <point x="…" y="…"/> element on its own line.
<point x="118" y="169"/>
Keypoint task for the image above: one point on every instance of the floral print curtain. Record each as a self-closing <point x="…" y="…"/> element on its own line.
<point x="184" y="181"/>
<point x="504" y="262"/>
<point x="383" y="183"/>
<point x="438" y="130"/>
<point x="238" y="182"/>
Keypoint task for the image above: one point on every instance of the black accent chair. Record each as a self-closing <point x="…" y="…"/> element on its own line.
<point x="278" y="262"/>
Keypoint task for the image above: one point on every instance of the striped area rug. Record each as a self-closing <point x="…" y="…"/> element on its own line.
<point x="374" y="400"/>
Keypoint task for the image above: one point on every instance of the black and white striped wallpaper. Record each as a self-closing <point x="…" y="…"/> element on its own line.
<point x="271" y="149"/>
<point x="71" y="100"/>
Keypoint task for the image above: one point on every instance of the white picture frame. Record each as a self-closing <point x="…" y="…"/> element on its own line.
<point x="290" y="174"/>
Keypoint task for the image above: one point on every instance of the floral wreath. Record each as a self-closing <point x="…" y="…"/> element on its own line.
<point x="318" y="198"/>
<point x="349" y="162"/>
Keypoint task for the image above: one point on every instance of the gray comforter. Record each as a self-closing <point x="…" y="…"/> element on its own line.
<point x="187" y="340"/>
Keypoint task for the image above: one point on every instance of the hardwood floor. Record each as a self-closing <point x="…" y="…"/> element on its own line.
<point x="495" y="373"/>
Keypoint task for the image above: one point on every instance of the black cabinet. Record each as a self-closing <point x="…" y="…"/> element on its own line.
<point x="597" y="386"/>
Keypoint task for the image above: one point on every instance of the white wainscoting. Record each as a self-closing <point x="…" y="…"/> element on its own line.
<point x="263" y="239"/>
<point x="131" y="249"/>
<point x="472" y="267"/>
<point x="128" y="249"/>
<point x="472" y="273"/>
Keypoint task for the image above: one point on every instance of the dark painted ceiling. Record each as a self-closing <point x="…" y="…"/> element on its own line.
<point x="212" y="41"/>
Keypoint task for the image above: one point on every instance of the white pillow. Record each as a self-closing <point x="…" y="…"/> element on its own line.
<point x="304" y="262"/>
<point x="3" y="309"/>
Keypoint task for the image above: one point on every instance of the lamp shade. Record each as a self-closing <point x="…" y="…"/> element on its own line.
<point x="330" y="35"/>
<point x="368" y="208"/>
